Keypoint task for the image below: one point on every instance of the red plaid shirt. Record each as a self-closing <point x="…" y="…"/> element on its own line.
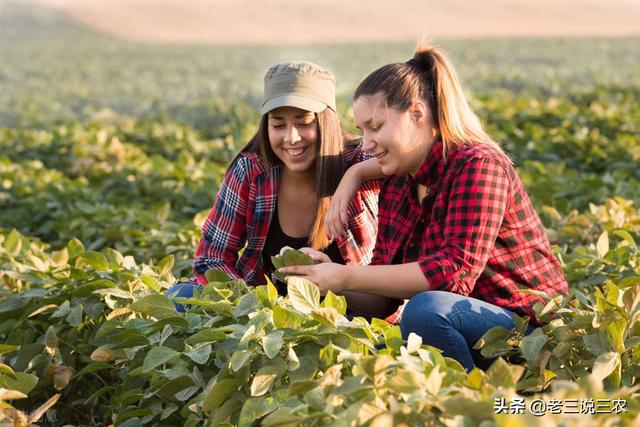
<point x="475" y="233"/>
<point x="242" y="214"/>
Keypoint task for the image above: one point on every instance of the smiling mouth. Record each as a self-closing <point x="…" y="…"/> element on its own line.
<point x="380" y="155"/>
<point x="295" y="152"/>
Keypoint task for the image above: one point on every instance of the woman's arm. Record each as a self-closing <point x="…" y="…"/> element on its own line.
<point x="337" y="215"/>
<point x="224" y="231"/>
<point x="395" y="281"/>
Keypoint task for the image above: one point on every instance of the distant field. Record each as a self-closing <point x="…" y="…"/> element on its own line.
<point x="54" y="65"/>
<point x="333" y="21"/>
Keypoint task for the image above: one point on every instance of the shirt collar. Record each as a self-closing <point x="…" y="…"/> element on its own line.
<point x="433" y="166"/>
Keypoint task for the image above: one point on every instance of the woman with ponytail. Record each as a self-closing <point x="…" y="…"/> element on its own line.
<point x="276" y="192"/>
<point x="457" y="234"/>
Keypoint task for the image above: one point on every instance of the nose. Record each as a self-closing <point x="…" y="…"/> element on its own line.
<point x="292" y="135"/>
<point x="368" y="144"/>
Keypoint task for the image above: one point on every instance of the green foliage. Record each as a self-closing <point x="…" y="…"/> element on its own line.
<point x="288" y="257"/>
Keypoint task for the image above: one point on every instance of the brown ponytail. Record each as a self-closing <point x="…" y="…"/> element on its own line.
<point x="430" y="77"/>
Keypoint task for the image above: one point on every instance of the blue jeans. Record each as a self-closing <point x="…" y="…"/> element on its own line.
<point x="183" y="290"/>
<point x="454" y="323"/>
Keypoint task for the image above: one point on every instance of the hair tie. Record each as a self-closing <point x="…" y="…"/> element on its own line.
<point x="413" y="62"/>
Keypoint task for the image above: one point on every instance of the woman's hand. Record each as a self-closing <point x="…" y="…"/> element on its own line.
<point x="337" y="217"/>
<point x="328" y="276"/>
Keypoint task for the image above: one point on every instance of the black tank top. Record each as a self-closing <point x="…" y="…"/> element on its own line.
<point x="277" y="239"/>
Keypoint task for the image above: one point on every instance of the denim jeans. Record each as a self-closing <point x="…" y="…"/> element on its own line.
<point x="182" y="290"/>
<point x="454" y="323"/>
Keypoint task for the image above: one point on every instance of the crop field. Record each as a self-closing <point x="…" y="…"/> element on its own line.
<point x="111" y="153"/>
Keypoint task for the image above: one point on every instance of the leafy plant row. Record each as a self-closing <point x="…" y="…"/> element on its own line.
<point x="95" y="332"/>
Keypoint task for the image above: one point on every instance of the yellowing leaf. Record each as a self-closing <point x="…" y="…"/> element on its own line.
<point x="303" y="294"/>
<point x="11" y="394"/>
<point x="43" y="309"/>
<point x="263" y="381"/>
<point x="602" y="246"/>
<point x="605" y="364"/>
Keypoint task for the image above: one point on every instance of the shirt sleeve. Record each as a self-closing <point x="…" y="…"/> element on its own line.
<point x="478" y="199"/>
<point x="224" y="231"/>
<point x="371" y="184"/>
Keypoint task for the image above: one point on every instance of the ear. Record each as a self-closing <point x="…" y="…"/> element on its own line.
<point x="420" y="113"/>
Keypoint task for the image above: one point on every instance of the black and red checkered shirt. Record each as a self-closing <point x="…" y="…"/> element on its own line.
<point x="475" y="233"/>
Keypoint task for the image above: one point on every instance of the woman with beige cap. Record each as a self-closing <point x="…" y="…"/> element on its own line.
<point x="277" y="190"/>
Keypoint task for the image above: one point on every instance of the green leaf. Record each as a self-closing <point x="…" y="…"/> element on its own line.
<point x="272" y="343"/>
<point x="22" y="382"/>
<point x="13" y="243"/>
<point x="166" y="265"/>
<point x="605" y="364"/>
<point x="75" y="315"/>
<point x="158" y="306"/>
<point x="75" y="248"/>
<point x="532" y="344"/>
<point x="299" y="388"/>
<point x="615" y="334"/>
<point x="5" y="348"/>
<point x="303" y="294"/>
<point x="404" y="382"/>
<point x="90" y="368"/>
<point x="334" y="301"/>
<point x="295" y="257"/>
<point x="218" y="393"/>
<point x="206" y="336"/>
<point x="95" y="260"/>
<point x="186" y="393"/>
<point x="596" y="344"/>
<point x="501" y="374"/>
<point x="157" y="356"/>
<point x="199" y="355"/>
<point x="216" y="276"/>
<point x="51" y="338"/>
<point x="393" y="337"/>
<point x="169" y="390"/>
<point x="625" y="235"/>
<point x="247" y="304"/>
<point x="254" y="409"/>
<point x="239" y="359"/>
<point x="277" y="262"/>
<point x="163" y="213"/>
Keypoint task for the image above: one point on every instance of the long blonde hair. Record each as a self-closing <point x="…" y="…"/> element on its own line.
<point x="429" y="76"/>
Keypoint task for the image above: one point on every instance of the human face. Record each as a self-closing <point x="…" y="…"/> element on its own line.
<point x="293" y="135"/>
<point x="399" y="141"/>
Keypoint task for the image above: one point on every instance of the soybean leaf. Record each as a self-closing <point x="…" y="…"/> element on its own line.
<point x="157" y="356"/>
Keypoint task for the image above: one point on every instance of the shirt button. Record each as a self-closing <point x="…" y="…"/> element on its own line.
<point x="464" y="273"/>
